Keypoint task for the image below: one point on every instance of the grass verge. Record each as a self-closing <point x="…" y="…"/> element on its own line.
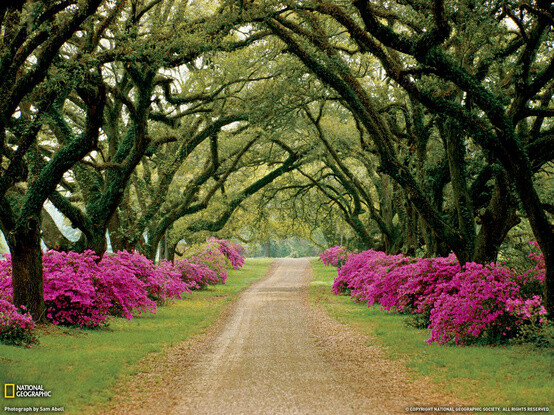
<point x="80" y="367"/>
<point x="510" y="376"/>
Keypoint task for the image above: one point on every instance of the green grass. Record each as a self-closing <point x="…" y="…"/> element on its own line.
<point x="477" y="375"/>
<point x="80" y="367"/>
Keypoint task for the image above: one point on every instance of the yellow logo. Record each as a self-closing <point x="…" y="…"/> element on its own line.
<point x="9" y="390"/>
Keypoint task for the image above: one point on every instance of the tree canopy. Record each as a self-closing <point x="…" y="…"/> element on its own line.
<point x="415" y="126"/>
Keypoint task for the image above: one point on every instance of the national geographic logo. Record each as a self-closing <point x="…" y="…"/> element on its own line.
<point x="12" y="391"/>
<point x="9" y="391"/>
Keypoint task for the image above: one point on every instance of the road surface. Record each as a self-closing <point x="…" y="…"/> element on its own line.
<point x="276" y="354"/>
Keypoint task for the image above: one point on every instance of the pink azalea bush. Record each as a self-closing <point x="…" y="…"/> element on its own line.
<point x="82" y="291"/>
<point x="5" y="277"/>
<point x="118" y="281"/>
<point x="196" y="276"/>
<point x="530" y="309"/>
<point x="209" y="254"/>
<point x="71" y="294"/>
<point x="166" y="283"/>
<point x="79" y="291"/>
<point x="232" y="251"/>
<point x="16" y="326"/>
<point x="461" y="305"/>
<point x="475" y="306"/>
<point x="161" y="282"/>
<point x="335" y="256"/>
<point x="207" y="263"/>
<point x="362" y="270"/>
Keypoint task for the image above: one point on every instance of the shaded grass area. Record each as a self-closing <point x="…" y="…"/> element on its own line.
<point x="80" y="367"/>
<point x="509" y="376"/>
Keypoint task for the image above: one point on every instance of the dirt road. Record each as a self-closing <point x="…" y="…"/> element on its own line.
<point x="266" y="359"/>
<point x="275" y="354"/>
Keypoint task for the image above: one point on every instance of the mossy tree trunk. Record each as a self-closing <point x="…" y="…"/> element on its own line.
<point x="496" y="220"/>
<point x="26" y="255"/>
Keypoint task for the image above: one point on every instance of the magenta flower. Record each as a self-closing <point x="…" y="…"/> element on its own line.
<point x="463" y="305"/>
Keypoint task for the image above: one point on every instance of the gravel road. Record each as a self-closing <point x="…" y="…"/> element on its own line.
<point x="276" y="354"/>
<point x="266" y="360"/>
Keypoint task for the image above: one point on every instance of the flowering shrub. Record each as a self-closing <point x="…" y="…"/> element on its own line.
<point x="388" y="278"/>
<point x="209" y="254"/>
<point x="70" y="289"/>
<point x="117" y="281"/>
<point x="196" y="276"/>
<point x="81" y="291"/>
<point x="232" y="251"/>
<point x="475" y="303"/>
<point x="429" y="279"/>
<point x="476" y="307"/>
<point x="530" y="309"/>
<point x="361" y="270"/>
<point x="16" y="328"/>
<point x="335" y="256"/>
<point x="161" y="282"/>
<point x="166" y="283"/>
<point x="207" y="263"/>
<point x="6" y="278"/>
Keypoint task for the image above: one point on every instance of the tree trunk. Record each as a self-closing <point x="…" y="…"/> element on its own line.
<point x="361" y="230"/>
<point x="497" y="220"/>
<point x="117" y="238"/>
<point x="151" y="247"/>
<point x="163" y="247"/>
<point x="52" y="236"/>
<point x="435" y="246"/>
<point x="519" y="170"/>
<point x="463" y="247"/>
<point x="28" y="289"/>
<point x="171" y="251"/>
<point x="99" y="244"/>
<point x="410" y="230"/>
